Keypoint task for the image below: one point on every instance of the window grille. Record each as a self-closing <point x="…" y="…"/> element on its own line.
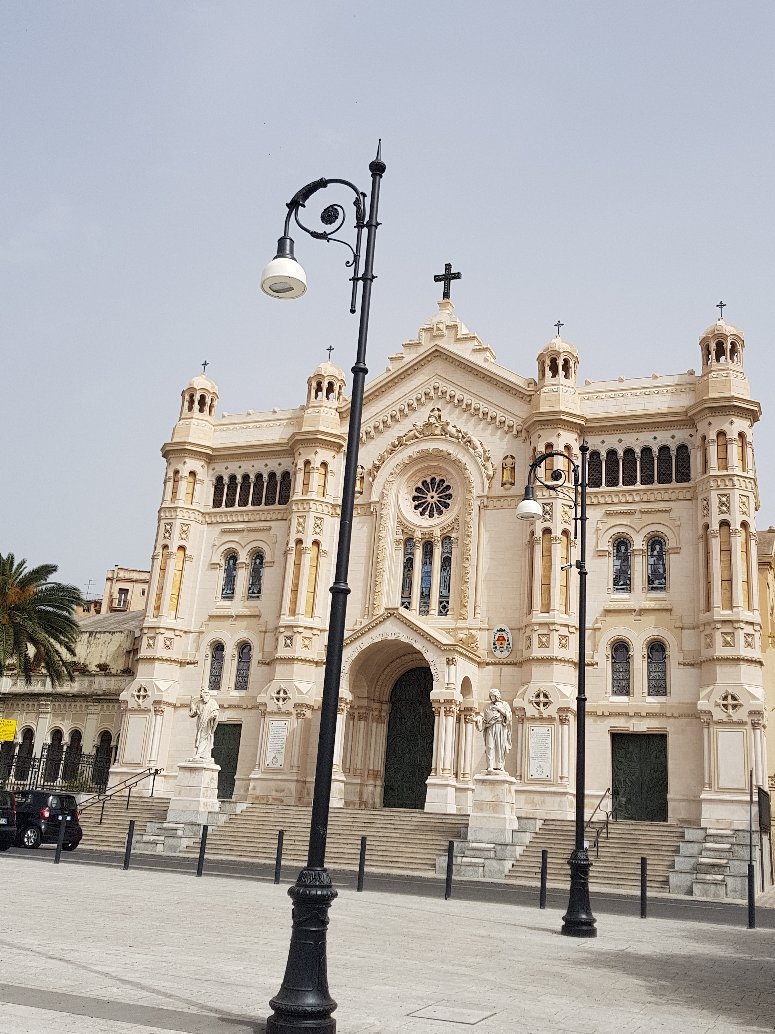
<point x="656" y="670"/>
<point x="620" y="670"/>
<point x="445" y="576"/>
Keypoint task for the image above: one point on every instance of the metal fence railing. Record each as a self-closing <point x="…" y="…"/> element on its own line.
<point x="57" y="768"/>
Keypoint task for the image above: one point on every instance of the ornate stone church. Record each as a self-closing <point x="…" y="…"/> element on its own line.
<point x="453" y="596"/>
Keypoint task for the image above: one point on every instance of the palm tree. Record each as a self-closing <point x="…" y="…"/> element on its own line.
<point x="37" y="627"/>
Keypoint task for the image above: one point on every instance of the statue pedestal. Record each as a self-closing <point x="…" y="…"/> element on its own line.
<point x="493" y="813"/>
<point x="195" y="793"/>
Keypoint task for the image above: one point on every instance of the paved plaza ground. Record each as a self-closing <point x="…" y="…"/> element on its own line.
<point x="92" y="949"/>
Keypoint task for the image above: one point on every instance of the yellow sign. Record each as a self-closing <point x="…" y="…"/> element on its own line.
<point x="7" y="728"/>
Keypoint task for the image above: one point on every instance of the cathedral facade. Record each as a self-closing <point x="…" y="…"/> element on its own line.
<point x="452" y="596"/>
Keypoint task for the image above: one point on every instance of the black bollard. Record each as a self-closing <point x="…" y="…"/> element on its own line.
<point x="361" y="864"/>
<point x="278" y="861"/>
<point x="130" y="835"/>
<point x="450" y="863"/>
<point x="751" y="897"/>
<point x="202" y="848"/>
<point x="544" y="874"/>
<point x="643" y="887"/>
<point x="60" y="839"/>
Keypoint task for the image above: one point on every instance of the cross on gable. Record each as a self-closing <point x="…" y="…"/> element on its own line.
<point x="446" y="278"/>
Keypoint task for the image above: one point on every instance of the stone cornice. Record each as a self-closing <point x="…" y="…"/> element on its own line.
<point x="247" y="515"/>
<point x="640" y="494"/>
<point x="726" y="407"/>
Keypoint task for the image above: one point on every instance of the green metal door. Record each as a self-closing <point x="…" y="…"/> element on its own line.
<point x="409" y="750"/>
<point x="225" y="754"/>
<point x="639" y="778"/>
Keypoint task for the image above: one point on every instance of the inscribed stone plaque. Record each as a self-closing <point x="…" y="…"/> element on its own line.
<point x="730" y="756"/>
<point x="134" y="741"/>
<point x="275" y="742"/>
<point x="539" y="745"/>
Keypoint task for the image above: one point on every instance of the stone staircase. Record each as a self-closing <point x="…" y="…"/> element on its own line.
<point x="110" y="835"/>
<point x="399" y="841"/>
<point x="618" y="863"/>
<point x="713" y="864"/>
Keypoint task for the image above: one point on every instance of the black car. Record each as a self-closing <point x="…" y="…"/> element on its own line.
<point x="7" y="820"/>
<point x="38" y="813"/>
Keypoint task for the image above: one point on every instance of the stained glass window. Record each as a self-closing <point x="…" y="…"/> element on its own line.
<point x="216" y="667"/>
<point x="242" y="678"/>
<point x="426" y="573"/>
<point x="229" y="577"/>
<point x="407" y="574"/>
<point x="255" y="576"/>
<point x="595" y="470"/>
<point x="445" y="576"/>
<point x="656" y="669"/>
<point x="620" y="670"/>
<point x="432" y="497"/>
<point x="656" y="564"/>
<point x="622" y="565"/>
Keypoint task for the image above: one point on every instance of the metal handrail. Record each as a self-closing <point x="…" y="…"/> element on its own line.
<point x="125" y="784"/>
<point x="603" y="822"/>
<point x="598" y="806"/>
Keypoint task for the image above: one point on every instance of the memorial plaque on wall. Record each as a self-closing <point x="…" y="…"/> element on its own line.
<point x="276" y="738"/>
<point x="539" y="746"/>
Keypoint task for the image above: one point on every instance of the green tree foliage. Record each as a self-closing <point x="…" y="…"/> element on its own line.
<point x="37" y="626"/>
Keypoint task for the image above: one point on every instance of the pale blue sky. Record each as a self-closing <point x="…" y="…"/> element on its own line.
<point x="607" y="164"/>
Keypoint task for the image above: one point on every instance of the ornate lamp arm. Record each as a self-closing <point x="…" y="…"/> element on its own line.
<point x="561" y="479"/>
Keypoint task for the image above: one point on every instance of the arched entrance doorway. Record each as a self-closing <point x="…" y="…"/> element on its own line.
<point x="409" y="747"/>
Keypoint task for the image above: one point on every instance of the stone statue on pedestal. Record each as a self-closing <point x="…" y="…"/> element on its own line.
<point x="495" y="725"/>
<point x="205" y="710"/>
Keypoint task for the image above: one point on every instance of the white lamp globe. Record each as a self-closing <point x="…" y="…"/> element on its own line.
<point x="529" y="510"/>
<point x="284" y="277"/>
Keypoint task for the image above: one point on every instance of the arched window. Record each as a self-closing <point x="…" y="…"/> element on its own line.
<point x="244" y="490"/>
<point x="564" y="562"/>
<point x="704" y="454"/>
<point x="707" y="564"/>
<point x="664" y="465"/>
<point x="229" y="577"/>
<point x="683" y="465"/>
<point x="177" y="581"/>
<point x="656" y="669"/>
<point x="231" y="490"/>
<point x="54" y="754"/>
<point x="242" y="677"/>
<point x="722" y="452"/>
<point x="595" y="470"/>
<point x="322" y="484"/>
<point x="721" y="352"/>
<point x="25" y="754"/>
<point x="546" y="571"/>
<point x="620" y="669"/>
<point x="407" y="572"/>
<point x="190" y="404"/>
<point x="733" y="352"/>
<point x="256" y="575"/>
<point x="622" y="565"/>
<point x="216" y="667"/>
<point x="629" y="467"/>
<point x="312" y="580"/>
<point x="508" y="472"/>
<point x="554" y="367"/>
<point x="202" y="403"/>
<point x="611" y="468"/>
<point x="656" y="564"/>
<point x="293" y="604"/>
<point x="426" y="575"/>
<point x="742" y="453"/>
<point x="102" y="759"/>
<point x="445" y="576"/>
<point x="285" y="488"/>
<point x="271" y="489"/>
<point x="175" y="486"/>
<point x="647" y="466"/>
<point x="258" y="490"/>
<point x="73" y="756"/>
<point x="218" y="493"/>
<point x="568" y="450"/>
<point x="725" y="544"/>
<point x="549" y="464"/>
<point x="190" y="486"/>
<point x="165" y="555"/>
<point x="566" y="369"/>
<point x="306" y="476"/>
<point x="745" y="566"/>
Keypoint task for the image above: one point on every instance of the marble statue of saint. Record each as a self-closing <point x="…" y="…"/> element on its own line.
<point x="205" y="710"/>
<point x="495" y="725"/>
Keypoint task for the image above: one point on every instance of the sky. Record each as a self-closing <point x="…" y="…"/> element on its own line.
<point x="606" y="164"/>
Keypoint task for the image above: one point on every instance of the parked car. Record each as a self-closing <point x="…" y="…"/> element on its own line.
<point x="7" y="820"/>
<point x="38" y="813"/>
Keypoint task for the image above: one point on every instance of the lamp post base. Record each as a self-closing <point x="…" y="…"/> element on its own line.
<point x="578" y="921"/>
<point x="303" y="1004"/>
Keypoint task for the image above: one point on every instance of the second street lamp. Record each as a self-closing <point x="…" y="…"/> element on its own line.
<point x="578" y="921"/>
<point x="303" y="1004"/>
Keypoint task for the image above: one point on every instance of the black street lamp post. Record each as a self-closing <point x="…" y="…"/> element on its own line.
<point x="578" y="921"/>
<point x="303" y="1004"/>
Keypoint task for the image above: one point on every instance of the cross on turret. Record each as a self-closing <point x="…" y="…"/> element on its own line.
<point x="558" y="325"/>
<point x="205" y="364"/>
<point x="721" y="306"/>
<point x="446" y="278"/>
<point x="330" y="350"/>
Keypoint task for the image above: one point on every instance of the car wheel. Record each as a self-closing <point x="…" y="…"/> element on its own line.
<point x="31" y="837"/>
<point x="69" y="847"/>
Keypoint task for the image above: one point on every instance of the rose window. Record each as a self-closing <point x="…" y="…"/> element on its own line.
<point x="432" y="497"/>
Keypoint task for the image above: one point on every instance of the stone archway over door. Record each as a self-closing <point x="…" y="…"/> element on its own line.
<point x="409" y="748"/>
<point x="639" y="776"/>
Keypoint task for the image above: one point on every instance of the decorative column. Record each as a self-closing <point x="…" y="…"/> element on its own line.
<point x="469" y="718"/>
<point x="158" y="721"/>
<point x="450" y="714"/>
<point x="416" y="573"/>
<point x="433" y="607"/>
<point x="519" y="760"/>
<point x="707" y="769"/>
<point x="563" y="715"/>
<point x="337" y="776"/>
